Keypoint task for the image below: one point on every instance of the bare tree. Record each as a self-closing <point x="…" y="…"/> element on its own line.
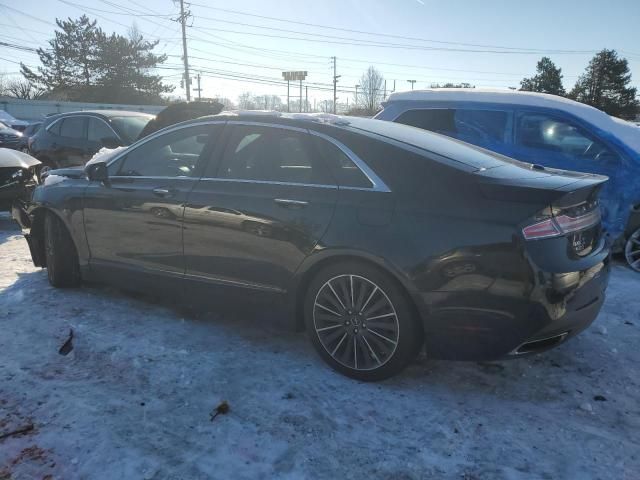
<point x="246" y="101"/>
<point x="23" y="89"/>
<point x="3" y="85"/>
<point x="370" y="94"/>
<point x="226" y="102"/>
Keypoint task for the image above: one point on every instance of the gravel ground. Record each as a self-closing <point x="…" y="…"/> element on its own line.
<point x="133" y="398"/>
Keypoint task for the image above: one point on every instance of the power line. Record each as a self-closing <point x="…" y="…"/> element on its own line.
<point x="379" y="34"/>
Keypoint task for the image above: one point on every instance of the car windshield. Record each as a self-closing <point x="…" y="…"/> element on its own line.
<point x="129" y="127"/>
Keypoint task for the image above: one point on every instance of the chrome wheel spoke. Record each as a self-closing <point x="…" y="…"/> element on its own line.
<point x="327" y="309"/>
<point x="338" y="344"/>
<point x="336" y="295"/>
<point x="355" y="322"/>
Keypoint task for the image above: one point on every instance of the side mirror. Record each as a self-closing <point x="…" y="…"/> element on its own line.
<point x="97" y="172"/>
<point x="110" y="142"/>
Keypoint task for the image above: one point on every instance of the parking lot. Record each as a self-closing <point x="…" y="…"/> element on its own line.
<point x="133" y="397"/>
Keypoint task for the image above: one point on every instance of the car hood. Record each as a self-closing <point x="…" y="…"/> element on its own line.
<point x="14" y="158"/>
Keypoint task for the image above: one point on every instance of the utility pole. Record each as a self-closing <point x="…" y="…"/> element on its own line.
<point x="198" y="89"/>
<point x="411" y="82"/>
<point x="335" y="84"/>
<point x="356" y="105"/>
<point x="288" y="104"/>
<point x="183" y="22"/>
<point x="300" y="96"/>
<point x="306" y="98"/>
<point x="385" y="91"/>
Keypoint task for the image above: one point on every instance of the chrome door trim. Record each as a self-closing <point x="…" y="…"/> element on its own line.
<point x="269" y="182"/>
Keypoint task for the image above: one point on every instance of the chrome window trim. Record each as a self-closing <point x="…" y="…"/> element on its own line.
<point x="88" y="115"/>
<point x="377" y="184"/>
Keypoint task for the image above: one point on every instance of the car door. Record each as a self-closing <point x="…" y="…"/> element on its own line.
<point x="69" y="148"/>
<point x="555" y="141"/>
<point x="260" y="210"/>
<point x="134" y="221"/>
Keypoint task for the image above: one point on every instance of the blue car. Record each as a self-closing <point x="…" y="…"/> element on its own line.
<point x="543" y="130"/>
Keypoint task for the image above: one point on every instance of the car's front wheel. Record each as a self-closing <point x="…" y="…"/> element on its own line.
<point x="60" y="253"/>
<point x="361" y="321"/>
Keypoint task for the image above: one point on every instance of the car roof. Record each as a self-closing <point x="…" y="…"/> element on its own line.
<point x="622" y="129"/>
<point x="427" y="142"/>
<point x="103" y="113"/>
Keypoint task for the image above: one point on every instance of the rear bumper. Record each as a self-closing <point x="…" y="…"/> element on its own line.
<point x="482" y="318"/>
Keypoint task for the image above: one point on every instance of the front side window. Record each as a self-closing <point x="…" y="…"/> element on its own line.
<point x="544" y="132"/>
<point x="98" y="130"/>
<point x="173" y="154"/>
<point x="470" y="125"/>
<point x="72" y="127"/>
<point x="273" y="155"/>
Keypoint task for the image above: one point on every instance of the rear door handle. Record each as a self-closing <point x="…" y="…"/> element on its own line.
<point x="163" y="192"/>
<point x="287" y="203"/>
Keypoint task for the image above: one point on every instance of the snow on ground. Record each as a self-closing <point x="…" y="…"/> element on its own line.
<point x="133" y="398"/>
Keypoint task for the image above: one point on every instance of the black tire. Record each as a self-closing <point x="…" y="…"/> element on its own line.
<point x="355" y="282"/>
<point x="60" y="252"/>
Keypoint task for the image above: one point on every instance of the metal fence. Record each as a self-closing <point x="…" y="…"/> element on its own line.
<point x="38" y="109"/>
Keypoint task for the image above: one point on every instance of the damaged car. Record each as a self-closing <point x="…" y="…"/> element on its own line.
<point x="377" y="238"/>
<point x="19" y="174"/>
<point x="544" y="130"/>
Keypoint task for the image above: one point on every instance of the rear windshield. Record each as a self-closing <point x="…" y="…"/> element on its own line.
<point x="129" y="127"/>
<point x="465" y="153"/>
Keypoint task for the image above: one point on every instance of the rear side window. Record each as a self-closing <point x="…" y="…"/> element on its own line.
<point x="54" y="128"/>
<point x="479" y="127"/>
<point x="272" y="155"/>
<point x="72" y="127"/>
<point x="344" y="170"/>
<point x="550" y="133"/>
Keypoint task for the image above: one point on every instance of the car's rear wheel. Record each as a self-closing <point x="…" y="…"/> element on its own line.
<point x="361" y="322"/>
<point x="60" y="252"/>
<point x="632" y="250"/>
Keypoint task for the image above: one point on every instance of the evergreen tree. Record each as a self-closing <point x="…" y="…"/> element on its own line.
<point x="604" y="85"/>
<point x="83" y="63"/>
<point x="548" y="79"/>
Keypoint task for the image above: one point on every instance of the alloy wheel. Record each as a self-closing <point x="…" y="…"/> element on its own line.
<point x="356" y="322"/>
<point x="632" y="250"/>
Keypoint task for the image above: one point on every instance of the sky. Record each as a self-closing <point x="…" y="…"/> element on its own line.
<point x="238" y="49"/>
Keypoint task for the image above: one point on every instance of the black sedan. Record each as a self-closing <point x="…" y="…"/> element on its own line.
<point x="71" y="139"/>
<point x="378" y="238"/>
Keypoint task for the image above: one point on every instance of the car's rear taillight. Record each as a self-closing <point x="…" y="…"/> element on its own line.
<point x="559" y="223"/>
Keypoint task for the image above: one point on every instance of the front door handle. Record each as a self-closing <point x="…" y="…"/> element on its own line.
<point x="163" y="192"/>
<point x="287" y="203"/>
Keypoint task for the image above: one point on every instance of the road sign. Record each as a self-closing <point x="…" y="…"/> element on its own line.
<point x="294" y="76"/>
